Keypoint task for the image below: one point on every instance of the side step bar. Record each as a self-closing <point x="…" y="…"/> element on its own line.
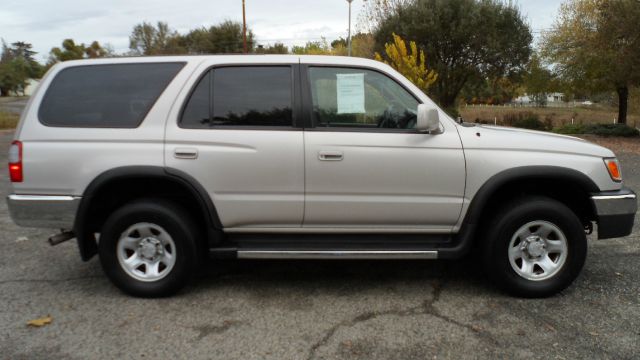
<point x="336" y="254"/>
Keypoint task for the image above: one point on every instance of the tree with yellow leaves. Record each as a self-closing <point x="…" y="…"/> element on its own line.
<point x="411" y="65"/>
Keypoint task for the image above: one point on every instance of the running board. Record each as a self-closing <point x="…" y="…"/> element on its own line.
<point x="336" y="254"/>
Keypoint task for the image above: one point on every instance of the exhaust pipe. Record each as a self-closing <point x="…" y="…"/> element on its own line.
<point x="62" y="237"/>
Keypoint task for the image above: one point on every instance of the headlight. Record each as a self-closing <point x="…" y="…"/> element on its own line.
<point x="613" y="166"/>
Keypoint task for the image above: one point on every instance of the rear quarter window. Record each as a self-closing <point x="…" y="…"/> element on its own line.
<point x="105" y="96"/>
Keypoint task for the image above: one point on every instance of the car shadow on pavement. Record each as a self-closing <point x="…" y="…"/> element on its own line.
<point x="337" y="275"/>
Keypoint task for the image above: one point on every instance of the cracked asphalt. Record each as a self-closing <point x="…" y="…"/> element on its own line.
<point x="314" y="310"/>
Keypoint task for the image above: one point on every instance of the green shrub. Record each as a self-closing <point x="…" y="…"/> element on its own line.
<point x="570" y="129"/>
<point x="613" y="130"/>
<point x="599" y="129"/>
<point x="530" y="123"/>
<point x="525" y="120"/>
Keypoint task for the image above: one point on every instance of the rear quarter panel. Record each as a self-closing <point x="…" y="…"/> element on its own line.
<point x="64" y="160"/>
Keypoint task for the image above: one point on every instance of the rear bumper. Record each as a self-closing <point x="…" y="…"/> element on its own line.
<point x="43" y="211"/>
<point x="616" y="211"/>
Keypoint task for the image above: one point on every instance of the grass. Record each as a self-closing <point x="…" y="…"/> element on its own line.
<point x="553" y="117"/>
<point x="8" y="120"/>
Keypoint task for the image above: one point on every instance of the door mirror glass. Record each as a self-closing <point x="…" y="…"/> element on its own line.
<point x="428" y="119"/>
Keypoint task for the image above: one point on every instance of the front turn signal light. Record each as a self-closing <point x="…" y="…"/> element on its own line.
<point x="614" y="169"/>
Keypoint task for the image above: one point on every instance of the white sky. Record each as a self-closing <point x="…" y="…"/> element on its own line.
<point x="45" y="23"/>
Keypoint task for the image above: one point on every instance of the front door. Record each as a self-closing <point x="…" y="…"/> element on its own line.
<point x="366" y="167"/>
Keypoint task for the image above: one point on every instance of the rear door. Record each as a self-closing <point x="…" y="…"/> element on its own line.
<point x="237" y="135"/>
<point x="367" y="168"/>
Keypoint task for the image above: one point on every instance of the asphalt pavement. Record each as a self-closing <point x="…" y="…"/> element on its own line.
<point x="315" y="309"/>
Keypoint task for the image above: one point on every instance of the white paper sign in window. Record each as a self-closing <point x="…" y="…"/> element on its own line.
<point x="350" y="92"/>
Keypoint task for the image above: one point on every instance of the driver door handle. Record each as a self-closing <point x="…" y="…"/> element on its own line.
<point x="330" y="155"/>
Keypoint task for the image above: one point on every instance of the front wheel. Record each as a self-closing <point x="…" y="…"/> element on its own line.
<point x="148" y="248"/>
<point x="535" y="247"/>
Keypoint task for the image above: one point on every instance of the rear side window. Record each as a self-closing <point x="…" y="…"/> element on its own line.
<point x="105" y="96"/>
<point x="244" y="96"/>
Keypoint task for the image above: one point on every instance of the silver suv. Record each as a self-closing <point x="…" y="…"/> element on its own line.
<point x="156" y="163"/>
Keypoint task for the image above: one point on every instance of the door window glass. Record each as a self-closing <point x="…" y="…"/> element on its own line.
<point x="241" y="96"/>
<point x="360" y="98"/>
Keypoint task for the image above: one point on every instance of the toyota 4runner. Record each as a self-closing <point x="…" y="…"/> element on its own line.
<point x="157" y="163"/>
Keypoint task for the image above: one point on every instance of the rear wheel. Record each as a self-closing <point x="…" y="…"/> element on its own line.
<point x="148" y="248"/>
<point x="535" y="247"/>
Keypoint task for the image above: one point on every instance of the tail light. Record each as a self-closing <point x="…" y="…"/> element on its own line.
<point x="15" y="161"/>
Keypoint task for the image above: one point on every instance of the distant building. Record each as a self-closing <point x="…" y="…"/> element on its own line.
<point x="555" y="97"/>
<point x="552" y="98"/>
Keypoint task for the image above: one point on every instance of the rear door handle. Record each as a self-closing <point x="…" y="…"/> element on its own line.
<point x="185" y="153"/>
<point x="330" y="155"/>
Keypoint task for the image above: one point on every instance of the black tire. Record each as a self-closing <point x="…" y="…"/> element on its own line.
<point x="504" y="227"/>
<point x="171" y="218"/>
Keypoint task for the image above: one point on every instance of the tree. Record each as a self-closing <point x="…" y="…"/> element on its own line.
<point x="362" y="45"/>
<point x="374" y="11"/>
<point x="146" y="39"/>
<point x="465" y="39"/>
<point x="411" y="65"/>
<point x="13" y="76"/>
<point x="23" y="50"/>
<point x="69" y="51"/>
<point x="17" y="65"/>
<point x="320" y="47"/>
<point x="95" y="50"/>
<point x="492" y="90"/>
<point x="277" y="48"/>
<point x="72" y="51"/>
<point x="225" y="37"/>
<point x="339" y="43"/>
<point x="595" y="44"/>
<point x="538" y="80"/>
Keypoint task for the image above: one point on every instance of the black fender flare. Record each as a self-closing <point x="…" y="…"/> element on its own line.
<point x="86" y="239"/>
<point x="494" y="183"/>
<point x="466" y="235"/>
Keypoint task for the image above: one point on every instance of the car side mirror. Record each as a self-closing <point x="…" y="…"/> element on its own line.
<point x="428" y="119"/>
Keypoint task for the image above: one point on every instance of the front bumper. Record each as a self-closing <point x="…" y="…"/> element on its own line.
<point x="615" y="211"/>
<point x="43" y="211"/>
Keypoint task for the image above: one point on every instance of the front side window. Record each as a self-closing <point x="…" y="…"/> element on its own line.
<point x="241" y="96"/>
<point x="360" y="98"/>
<point x="105" y="96"/>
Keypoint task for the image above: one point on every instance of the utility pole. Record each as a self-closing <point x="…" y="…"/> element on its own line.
<point x="349" y="34"/>
<point x="244" y="28"/>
